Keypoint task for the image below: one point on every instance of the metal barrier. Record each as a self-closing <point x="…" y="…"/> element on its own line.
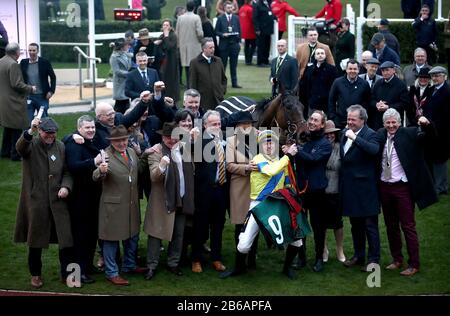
<point x="96" y="59"/>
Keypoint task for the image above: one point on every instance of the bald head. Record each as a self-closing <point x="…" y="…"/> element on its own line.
<point x="104" y="113"/>
<point x="281" y="46"/>
<point x="365" y="56"/>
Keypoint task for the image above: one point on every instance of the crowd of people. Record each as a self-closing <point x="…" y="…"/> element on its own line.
<point x="377" y="137"/>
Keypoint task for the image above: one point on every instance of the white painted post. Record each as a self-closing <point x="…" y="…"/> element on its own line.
<point x="92" y="66"/>
<point x="359" y="34"/>
<point x="273" y="41"/>
<point x="291" y="36"/>
<point x="351" y="17"/>
<point x="361" y="8"/>
<point x="439" y="9"/>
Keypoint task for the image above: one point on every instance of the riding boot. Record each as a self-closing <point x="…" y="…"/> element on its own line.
<point x="291" y="252"/>
<point x="239" y="266"/>
<point x="301" y="260"/>
<point x="251" y="257"/>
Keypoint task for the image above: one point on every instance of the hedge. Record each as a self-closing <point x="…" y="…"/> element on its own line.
<point x="56" y="32"/>
<point x="407" y="39"/>
<point x="59" y="32"/>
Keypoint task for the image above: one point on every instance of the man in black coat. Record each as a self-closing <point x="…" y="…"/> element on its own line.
<point x="37" y="71"/>
<point x="438" y="112"/>
<point x="82" y="159"/>
<point x="358" y="186"/>
<point x="383" y="52"/>
<point x="405" y="181"/>
<point x="263" y="21"/>
<point x="346" y="91"/>
<point x="426" y="33"/>
<point x="211" y="193"/>
<point x="283" y="70"/>
<point x="390" y="92"/>
<point x="315" y="84"/>
<point x="229" y="31"/>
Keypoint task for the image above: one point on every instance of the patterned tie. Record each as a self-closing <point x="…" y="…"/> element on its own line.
<point x="280" y="60"/>
<point x="221" y="162"/>
<point x="125" y="157"/>
<point x="144" y="76"/>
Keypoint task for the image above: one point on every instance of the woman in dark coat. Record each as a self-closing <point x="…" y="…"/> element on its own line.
<point x="168" y="42"/>
<point x="208" y="28"/>
<point x="345" y="45"/>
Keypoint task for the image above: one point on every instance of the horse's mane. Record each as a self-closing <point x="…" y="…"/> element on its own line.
<point x="262" y="105"/>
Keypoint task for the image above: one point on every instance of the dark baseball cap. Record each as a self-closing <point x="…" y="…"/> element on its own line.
<point x="377" y="38"/>
<point x="384" y="21"/>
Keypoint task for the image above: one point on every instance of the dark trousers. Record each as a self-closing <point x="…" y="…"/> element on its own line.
<point x="209" y="217"/>
<point x="231" y="51"/>
<point x="280" y="34"/>
<point x="10" y="138"/>
<point x="85" y="234"/>
<point x="263" y="44"/>
<point x="362" y="228"/>
<point x="35" y="261"/>
<point x="121" y="105"/>
<point x="249" y="50"/>
<point x="188" y="85"/>
<point x="398" y="208"/>
<point x="315" y="202"/>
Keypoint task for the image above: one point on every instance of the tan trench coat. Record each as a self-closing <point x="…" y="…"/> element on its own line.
<point x="190" y="33"/>
<point x="158" y="222"/>
<point x="43" y="174"/>
<point x="240" y="181"/>
<point x="13" y="95"/>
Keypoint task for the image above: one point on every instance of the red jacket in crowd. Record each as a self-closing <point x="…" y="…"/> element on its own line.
<point x="332" y="10"/>
<point x="279" y="9"/>
<point x="245" y="19"/>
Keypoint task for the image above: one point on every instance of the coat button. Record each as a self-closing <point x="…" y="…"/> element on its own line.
<point x="50" y="176"/>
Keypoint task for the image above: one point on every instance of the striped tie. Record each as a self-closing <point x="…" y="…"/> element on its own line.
<point x="221" y="162"/>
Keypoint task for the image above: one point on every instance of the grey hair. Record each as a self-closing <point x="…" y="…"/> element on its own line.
<point x="391" y="112"/>
<point x="362" y="111"/>
<point x="420" y="49"/>
<point x="206" y="40"/>
<point x="208" y="114"/>
<point x="84" y="118"/>
<point x="190" y="93"/>
<point x="12" y="49"/>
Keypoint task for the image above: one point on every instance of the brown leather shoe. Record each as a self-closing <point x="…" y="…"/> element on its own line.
<point x="394" y="266"/>
<point x="218" y="266"/>
<point x="36" y="282"/>
<point x="353" y="262"/>
<point x="409" y="271"/>
<point x="197" y="267"/>
<point x="118" y="280"/>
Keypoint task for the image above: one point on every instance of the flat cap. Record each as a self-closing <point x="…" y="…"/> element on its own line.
<point x="384" y="21"/>
<point x="388" y="64"/>
<point x="377" y="38"/>
<point x="48" y="125"/>
<point x="438" y="70"/>
<point x="373" y="61"/>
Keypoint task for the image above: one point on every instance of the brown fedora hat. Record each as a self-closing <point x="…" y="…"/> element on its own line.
<point x="167" y="129"/>
<point x="330" y="127"/>
<point x="118" y="132"/>
<point x="143" y="34"/>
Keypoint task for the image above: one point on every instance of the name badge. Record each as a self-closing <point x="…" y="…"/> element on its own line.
<point x="270" y="12"/>
<point x="230" y="29"/>
<point x="52" y="157"/>
<point x="309" y="64"/>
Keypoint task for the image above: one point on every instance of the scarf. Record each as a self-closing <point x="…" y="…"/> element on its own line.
<point x="171" y="183"/>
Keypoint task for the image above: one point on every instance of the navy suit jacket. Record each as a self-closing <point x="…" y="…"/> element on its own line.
<point x="388" y="55"/>
<point x="358" y="175"/>
<point x="222" y="27"/>
<point x="45" y="72"/>
<point x="287" y="75"/>
<point x="135" y="84"/>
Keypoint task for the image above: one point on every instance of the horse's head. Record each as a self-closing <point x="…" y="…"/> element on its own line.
<point x="290" y="116"/>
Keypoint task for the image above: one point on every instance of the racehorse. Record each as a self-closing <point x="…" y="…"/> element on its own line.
<point x="284" y="111"/>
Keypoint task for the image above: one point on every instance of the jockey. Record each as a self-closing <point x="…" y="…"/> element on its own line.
<point x="271" y="176"/>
